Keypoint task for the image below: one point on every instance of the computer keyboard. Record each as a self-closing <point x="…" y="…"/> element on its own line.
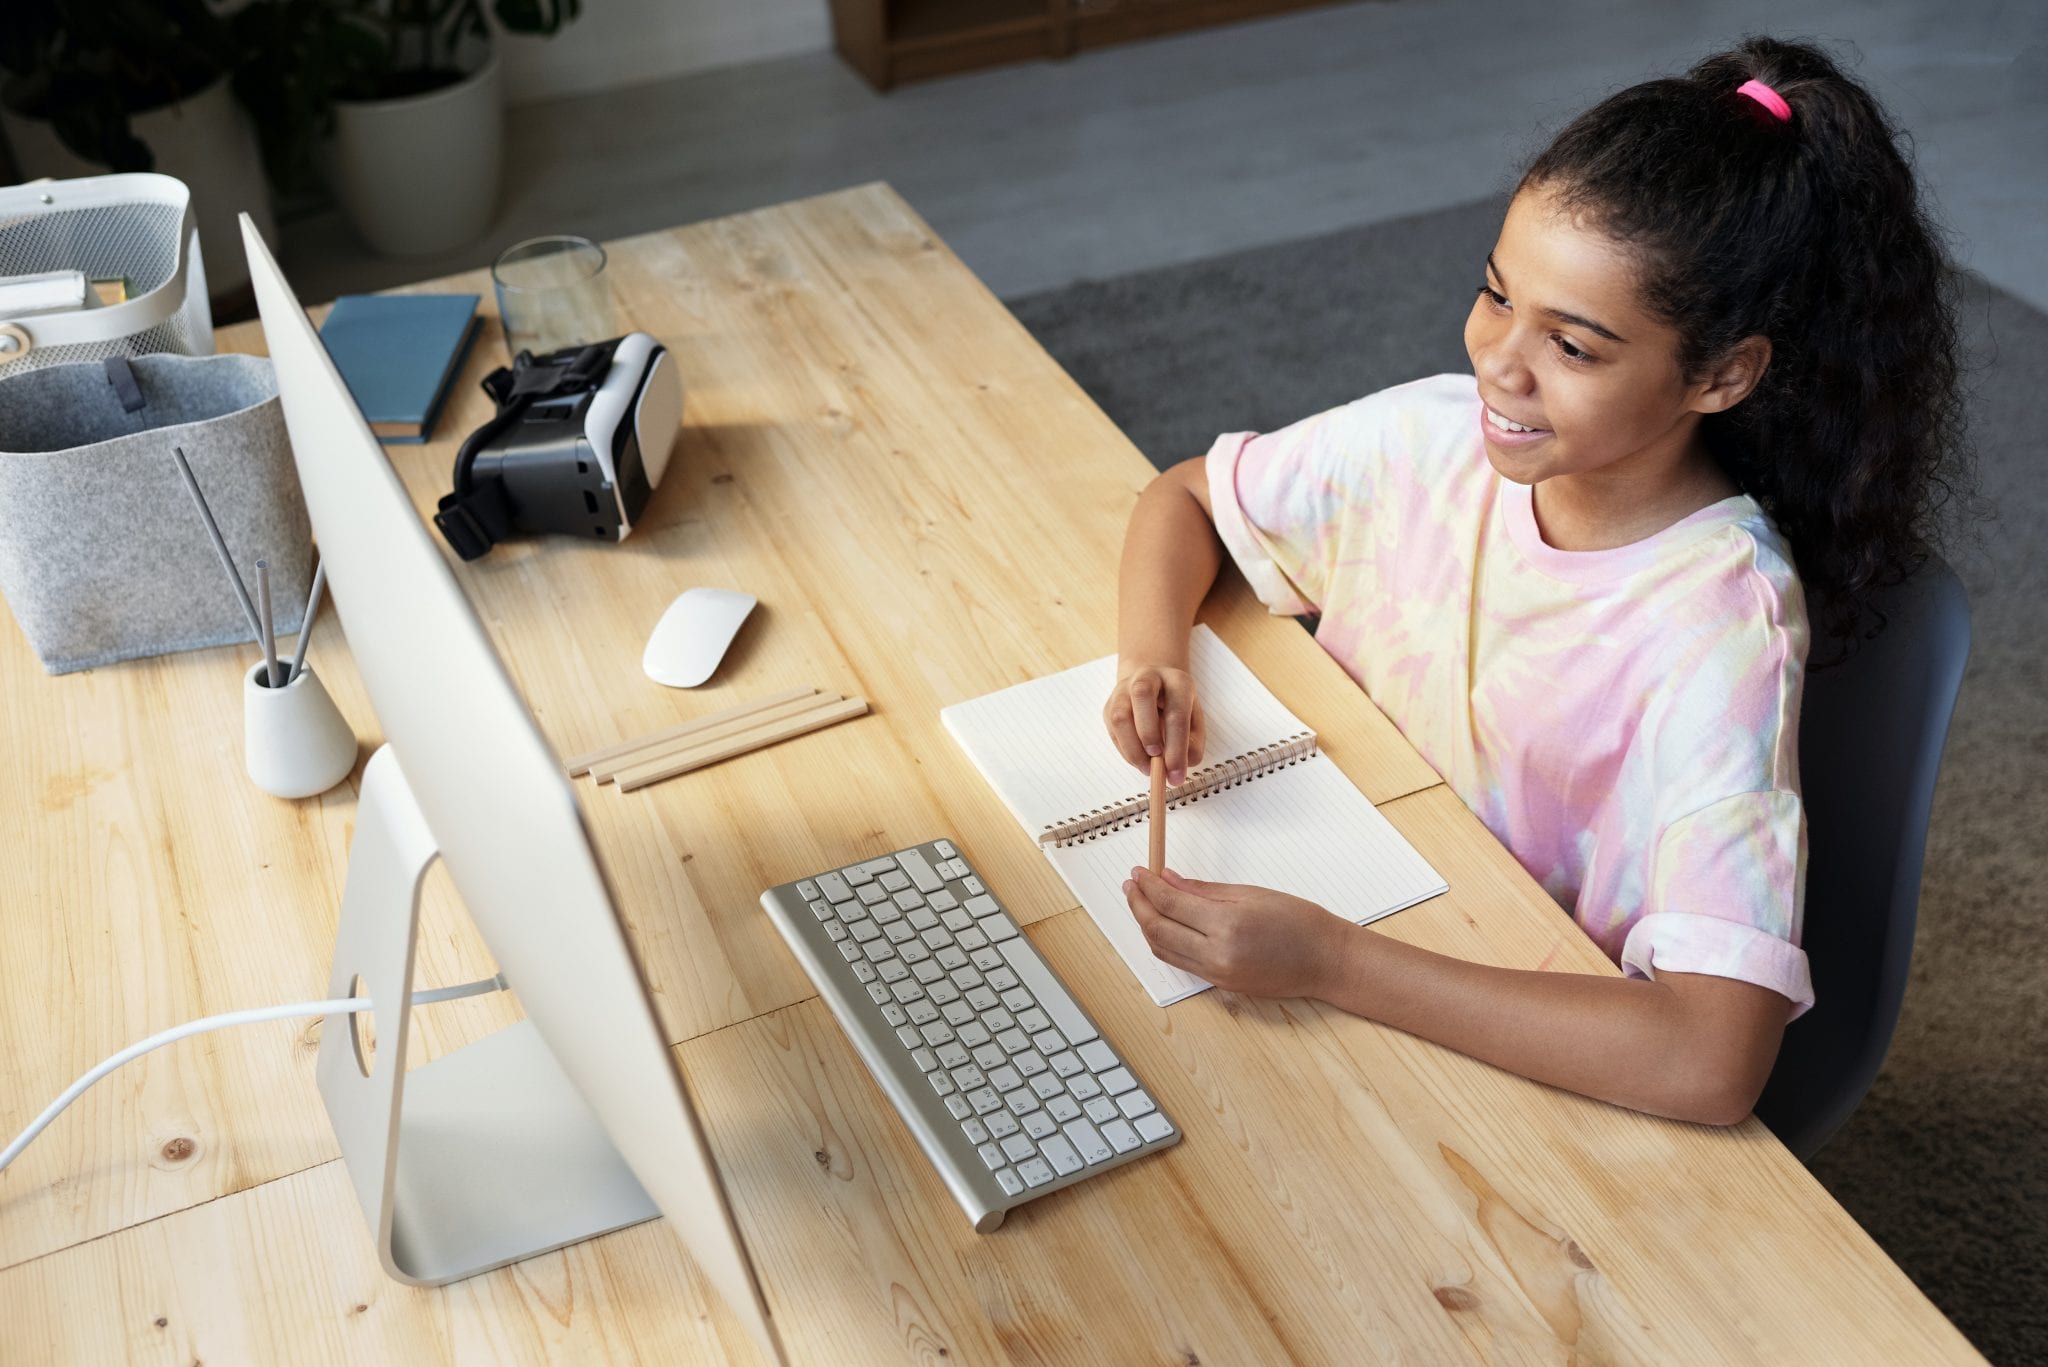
<point x="1008" y="1086"/>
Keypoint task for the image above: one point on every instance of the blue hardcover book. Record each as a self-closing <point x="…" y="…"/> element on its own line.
<point x="399" y="354"/>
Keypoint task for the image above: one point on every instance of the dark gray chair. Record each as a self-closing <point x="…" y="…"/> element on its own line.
<point x="1871" y="733"/>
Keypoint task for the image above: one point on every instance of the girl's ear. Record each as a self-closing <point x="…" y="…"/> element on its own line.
<point x="1732" y="380"/>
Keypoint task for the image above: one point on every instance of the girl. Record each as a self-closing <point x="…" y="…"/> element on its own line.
<point x="1714" y="385"/>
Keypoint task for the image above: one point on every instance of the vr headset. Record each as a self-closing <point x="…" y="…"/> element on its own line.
<point x="580" y="441"/>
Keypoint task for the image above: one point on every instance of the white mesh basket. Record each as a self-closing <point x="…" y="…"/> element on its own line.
<point x="139" y="226"/>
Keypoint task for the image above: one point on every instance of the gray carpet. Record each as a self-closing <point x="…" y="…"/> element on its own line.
<point x="1946" y="1163"/>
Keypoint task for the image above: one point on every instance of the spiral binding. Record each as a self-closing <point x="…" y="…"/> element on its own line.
<point x="1203" y="782"/>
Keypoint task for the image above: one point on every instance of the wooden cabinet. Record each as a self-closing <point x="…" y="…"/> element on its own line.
<point x="892" y="41"/>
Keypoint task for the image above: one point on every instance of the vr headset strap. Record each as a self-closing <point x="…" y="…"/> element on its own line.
<point x="478" y="514"/>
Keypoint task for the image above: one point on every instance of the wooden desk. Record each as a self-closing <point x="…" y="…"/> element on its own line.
<point x="928" y="508"/>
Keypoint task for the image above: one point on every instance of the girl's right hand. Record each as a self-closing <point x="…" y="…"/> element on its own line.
<point x="1153" y="711"/>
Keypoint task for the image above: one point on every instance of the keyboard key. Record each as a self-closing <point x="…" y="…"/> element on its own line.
<point x="992" y="1156"/>
<point x="1038" y="1124"/>
<point x="885" y="913"/>
<point x="1062" y="1108"/>
<point x="1018" y="1147"/>
<point x="1004" y="1079"/>
<point x="1017" y="999"/>
<point x="920" y="871"/>
<point x="1021" y="1102"/>
<point x="938" y="937"/>
<point x="1066" y="1064"/>
<point x="1014" y="1041"/>
<point x="863" y="931"/>
<point x="1083" y="1087"/>
<point x="983" y="1100"/>
<point x="898" y="932"/>
<point x="981" y="998"/>
<point x="882" y="865"/>
<point x="1047" y="1041"/>
<point x="1001" y="1124"/>
<point x="998" y="929"/>
<point x="914" y="952"/>
<point x="908" y="990"/>
<point x="957" y="1107"/>
<point x="963" y="978"/>
<point x="945" y="848"/>
<point x="908" y="1034"/>
<point x="1117" y="1081"/>
<point x="806" y="889"/>
<point x="857" y="876"/>
<point x="863" y="970"/>
<point x="973" y="884"/>
<point x="973" y="1036"/>
<point x="942" y="900"/>
<point x="921" y="918"/>
<point x="938" y="1032"/>
<point x="956" y="921"/>
<point x="833" y="886"/>
<point x="925" y="971"/>
<point x="1000" y="978"/>
<point x="983" y="905"/>
<point x="1153" y="1126"/>
<point x="871" y="893"/>
<point x="1046" y="1086"/>
<point x="850" y="950"/>
<point x="1087" y="1141"/>
<point x="922" y="1011"/>
<point x="970" y="1123"/>
<point x="909" y="900"/>
<point x="989" y="959"/>
<point x="1009" y="1181"/>
<point x="943" y="992"/>
<point x="894" y="880"/>
<point x="1097" y="1055"/>
<point x="893" y="969"/>
<point x="851" y="912"/>
<point x="951" y="1055"/>
<point x="957" y="1013"/>
<point x="1119" y="1133"/>
<point x="878" y="994"/>
<point x="968" y="1078"/>
<point x="1051" y="996"/>
<point x="894" y="1014"/>
<point x="1064" y="1159"/>
<point x="989" y="1056"/>
<point x="1135" y="1103"/>
<point x="823" y="912"/>
<point x="1035" y="1172"/>
<point x="1101" y="1110"/>
<point x="972" y="939"/>
<point x="997" y="1019"/>
<point x="1032" y="1020"/>
<point x="942" y="1083"/>
<point x="1030" y="1063"/>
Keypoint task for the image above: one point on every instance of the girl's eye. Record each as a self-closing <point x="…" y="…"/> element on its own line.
<point x="1565" y="348"/>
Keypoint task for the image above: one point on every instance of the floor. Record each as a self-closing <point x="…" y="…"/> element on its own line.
<point x="1182" y="148"/>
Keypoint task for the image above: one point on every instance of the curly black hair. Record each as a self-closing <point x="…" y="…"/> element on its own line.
<point x="1809" y="231"/>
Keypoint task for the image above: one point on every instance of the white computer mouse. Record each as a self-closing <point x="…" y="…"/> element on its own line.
<point x="691" y="637"/>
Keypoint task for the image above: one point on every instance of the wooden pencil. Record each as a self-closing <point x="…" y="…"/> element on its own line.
<point x="1155" y="856"/>
<point x="581" y="764"/>
<point x="605" y="770"/>
<point x="712" y="753"/>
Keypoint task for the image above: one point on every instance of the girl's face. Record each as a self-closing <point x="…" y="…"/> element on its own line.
<point x="1559" y="343"/>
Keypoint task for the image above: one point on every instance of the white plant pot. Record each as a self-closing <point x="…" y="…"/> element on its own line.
<point x="419" y="175"/>
<point x="206" y="141"/>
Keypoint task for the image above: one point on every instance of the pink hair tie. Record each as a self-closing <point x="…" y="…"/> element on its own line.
<point x="1768" y="98"/>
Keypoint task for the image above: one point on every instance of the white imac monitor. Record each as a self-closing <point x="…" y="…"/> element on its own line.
<point x="574" y="1121"/>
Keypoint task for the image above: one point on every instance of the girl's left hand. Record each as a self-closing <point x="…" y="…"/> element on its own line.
<point x="1241" y="938"/>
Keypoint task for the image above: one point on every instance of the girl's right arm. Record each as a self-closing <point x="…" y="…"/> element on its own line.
<point x="1171" y="555"/>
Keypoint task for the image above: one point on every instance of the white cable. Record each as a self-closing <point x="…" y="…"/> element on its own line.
<point x="336" y="1007"/>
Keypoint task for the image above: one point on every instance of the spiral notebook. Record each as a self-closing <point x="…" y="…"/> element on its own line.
<point x="1270" y="809"/>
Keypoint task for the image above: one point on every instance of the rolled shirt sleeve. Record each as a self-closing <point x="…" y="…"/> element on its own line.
<point x="1726" y="897"/>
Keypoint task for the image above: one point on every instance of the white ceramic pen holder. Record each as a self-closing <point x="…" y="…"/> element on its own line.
<point x="294" y="739"/>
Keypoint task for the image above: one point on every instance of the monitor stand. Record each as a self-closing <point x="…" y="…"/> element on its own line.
<point x="495" y="1156"/>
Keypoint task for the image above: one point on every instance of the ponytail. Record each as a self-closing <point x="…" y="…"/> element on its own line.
<point x="1809" y="230"/>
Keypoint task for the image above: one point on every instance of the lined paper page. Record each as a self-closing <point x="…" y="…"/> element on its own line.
<point x="1043" y="748"/>
<point x="1305" y="830"/>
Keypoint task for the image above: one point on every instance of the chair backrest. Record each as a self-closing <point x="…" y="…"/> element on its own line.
<point x="1871" y="732"/>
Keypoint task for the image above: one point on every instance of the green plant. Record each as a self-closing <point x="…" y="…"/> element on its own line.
<point x="87" y="66"/>
<point x="297" y="57"/>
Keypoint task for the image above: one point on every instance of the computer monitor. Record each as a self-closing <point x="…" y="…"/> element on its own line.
<point x="575" y="1120"/>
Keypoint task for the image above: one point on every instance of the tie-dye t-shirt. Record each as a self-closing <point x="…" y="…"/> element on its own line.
<point x="1625" y="721"/>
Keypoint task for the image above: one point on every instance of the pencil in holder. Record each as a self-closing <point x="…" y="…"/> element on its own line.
<point x="295" y="741"/>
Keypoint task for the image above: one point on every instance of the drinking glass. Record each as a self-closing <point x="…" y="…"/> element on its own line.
<point x="552" y="293"/>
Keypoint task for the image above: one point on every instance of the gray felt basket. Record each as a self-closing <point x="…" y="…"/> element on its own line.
<point x="103" y="555"/>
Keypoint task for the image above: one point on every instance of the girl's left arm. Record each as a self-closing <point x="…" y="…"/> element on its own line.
<point x="1687" y="1046"/>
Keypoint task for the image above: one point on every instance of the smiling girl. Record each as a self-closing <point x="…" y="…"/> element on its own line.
<point x="1714" y="384"/>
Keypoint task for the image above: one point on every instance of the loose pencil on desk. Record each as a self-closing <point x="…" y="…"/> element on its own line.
<point x="1155" y="858"/>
